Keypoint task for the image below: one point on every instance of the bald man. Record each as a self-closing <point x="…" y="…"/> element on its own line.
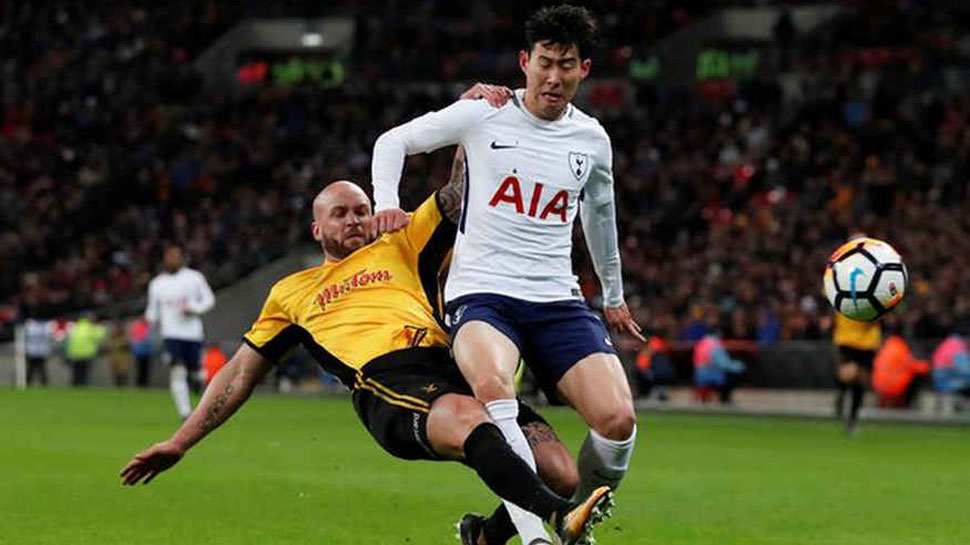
<point x="369" y="314"/>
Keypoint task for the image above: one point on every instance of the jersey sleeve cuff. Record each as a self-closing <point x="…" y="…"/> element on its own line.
<point x="260" y="349"/>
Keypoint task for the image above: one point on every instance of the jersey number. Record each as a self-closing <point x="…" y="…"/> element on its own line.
<point x="415" y="335"/>
<point x="511" y="192"/>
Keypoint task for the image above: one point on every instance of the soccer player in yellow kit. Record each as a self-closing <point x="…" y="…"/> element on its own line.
<point x="369" y="314"/>
<point x="856" y="343"/>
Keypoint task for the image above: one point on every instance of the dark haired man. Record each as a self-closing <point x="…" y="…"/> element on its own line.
<point x="511" y="291"/>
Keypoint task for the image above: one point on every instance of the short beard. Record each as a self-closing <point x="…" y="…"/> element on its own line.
<point x="337" y="250"/>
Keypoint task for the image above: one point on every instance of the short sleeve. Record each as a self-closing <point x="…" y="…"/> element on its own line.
<point x="429" y="226"/>
<point x="273" y="333"/>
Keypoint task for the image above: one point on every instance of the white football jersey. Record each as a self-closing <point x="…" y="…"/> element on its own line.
<point x="169" y="294"/>
<point x="524" y="177"/>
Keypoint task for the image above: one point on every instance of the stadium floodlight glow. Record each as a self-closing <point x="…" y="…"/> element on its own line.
<point x="311" y="39"/>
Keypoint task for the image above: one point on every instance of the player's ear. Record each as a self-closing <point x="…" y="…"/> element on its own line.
<point x="523" y="60"/>
<point x="316" y="231"/>
<point x="584" y="67"/>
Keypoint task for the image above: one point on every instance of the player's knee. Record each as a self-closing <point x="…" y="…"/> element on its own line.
<point x="452" y="419"/>
<point x="559" y="472"/>
<point x="617" y="425"/>
<point x="468" y="413"/>
<point x="492" y="387"/>
<point x="848" y="373"/>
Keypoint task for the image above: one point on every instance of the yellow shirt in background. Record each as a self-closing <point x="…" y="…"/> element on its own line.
<point x="855" y="334"/>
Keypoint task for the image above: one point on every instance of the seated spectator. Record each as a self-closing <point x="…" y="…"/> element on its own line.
<point x="714" y="370"/>
<point x="120" y="359"/>
<point x="896" y="373"/>
<point x="951" y="372"/>
<point x="142" y="348"/>
<point x="213" y="358"/>
<point x="655" y="372"/>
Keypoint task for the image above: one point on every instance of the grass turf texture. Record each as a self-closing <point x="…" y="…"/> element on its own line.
<point x="303" y="470"/>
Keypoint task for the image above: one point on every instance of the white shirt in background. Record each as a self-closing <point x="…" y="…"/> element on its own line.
<point x="170" y="295"/>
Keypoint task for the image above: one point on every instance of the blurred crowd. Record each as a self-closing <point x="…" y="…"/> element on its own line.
<point x="730" y="195"/>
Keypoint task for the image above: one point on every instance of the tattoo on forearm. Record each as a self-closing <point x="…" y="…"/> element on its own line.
<point x="451" y="194"/>
<point x="537" y="432"/>
<point x="212" y="415"/>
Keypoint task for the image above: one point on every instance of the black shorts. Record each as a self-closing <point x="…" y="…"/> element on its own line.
<point x="182" y="352"/>
<point x="394" y="396"/>
<point x="862" y="358"/>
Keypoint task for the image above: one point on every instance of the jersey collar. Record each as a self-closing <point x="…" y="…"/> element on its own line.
<point x="518" y="99"/>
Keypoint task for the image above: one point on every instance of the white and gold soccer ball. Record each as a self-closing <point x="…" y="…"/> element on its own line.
<point x="864" y="279"/>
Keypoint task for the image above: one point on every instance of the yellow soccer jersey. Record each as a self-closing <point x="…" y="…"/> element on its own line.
<point x="383" y="297"/>
<point x="855" y="334"/>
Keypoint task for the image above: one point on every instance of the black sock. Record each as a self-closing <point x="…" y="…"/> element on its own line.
<point x="507" y="474"/>
<point x="857" y="393"/>
<point x="498" y="528"/>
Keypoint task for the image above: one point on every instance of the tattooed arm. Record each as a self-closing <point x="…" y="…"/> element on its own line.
<point x="450" y="196"/>
<point x="229" y="389"/>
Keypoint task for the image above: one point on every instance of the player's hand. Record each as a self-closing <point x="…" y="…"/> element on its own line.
<point x="496" y="95"/>
<point x="389" y="220"/>
<point x="619" y="318"/>
<point x="148" y="463"/>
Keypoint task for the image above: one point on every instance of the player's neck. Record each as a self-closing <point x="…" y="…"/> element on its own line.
<point x="531" y="104"/>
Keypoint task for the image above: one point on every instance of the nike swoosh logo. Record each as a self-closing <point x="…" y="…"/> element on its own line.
<point x="496" y="145"/>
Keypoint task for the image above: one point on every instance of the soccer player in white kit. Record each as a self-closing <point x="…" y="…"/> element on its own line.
<point x="177" y="298"/>
<point x="531" y="166"/>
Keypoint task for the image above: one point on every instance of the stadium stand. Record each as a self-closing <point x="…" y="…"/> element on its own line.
<point x="729" y="200"/>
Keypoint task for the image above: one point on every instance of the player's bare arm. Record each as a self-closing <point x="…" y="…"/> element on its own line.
<point x="450" y="196"/>
<point x="229" y="389"/>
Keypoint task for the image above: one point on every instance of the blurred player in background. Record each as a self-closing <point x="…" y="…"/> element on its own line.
<point x="177" y="298"/>
<point x="368" y="315"/>
<point x="531" y="166"/>
<point x="856" y="344"/>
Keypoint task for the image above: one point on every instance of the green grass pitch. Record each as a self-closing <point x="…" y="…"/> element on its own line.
<point x="303" y="471"/>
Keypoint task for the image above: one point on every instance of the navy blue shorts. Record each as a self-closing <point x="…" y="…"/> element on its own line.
<point x="182" y="352"/>
<point x="552" y="337"/>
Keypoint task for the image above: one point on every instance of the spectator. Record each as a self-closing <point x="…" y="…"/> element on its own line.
<point x="714" y="369"/>
<point x="213" y="360"/>
<point x="119" y="354"/>
<point x="143" y="350"/>
<point x="896" y="373"/>
<point x="81" y="348"/>
<point x="38" y="343"/>
<point x="655" y="372"/>
<point x="867" y="129"/>
<point x="951" y="372"/>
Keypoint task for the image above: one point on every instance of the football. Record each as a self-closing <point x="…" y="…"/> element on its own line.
<point x="864" y="279"/>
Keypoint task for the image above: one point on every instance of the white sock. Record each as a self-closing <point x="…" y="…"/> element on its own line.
<point x="504" y="413"/>
<point x="179" y="385"/>
<point x="603" y="461"/>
